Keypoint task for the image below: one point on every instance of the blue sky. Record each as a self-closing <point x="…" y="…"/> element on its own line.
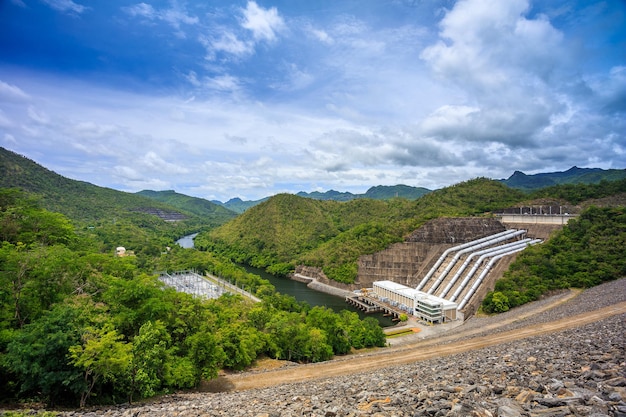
<point x="222" y="99"/>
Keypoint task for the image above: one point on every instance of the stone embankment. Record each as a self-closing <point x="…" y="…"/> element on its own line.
<point x="576" y="372"/>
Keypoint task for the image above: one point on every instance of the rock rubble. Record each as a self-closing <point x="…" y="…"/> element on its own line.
<point x="578" y="372"/>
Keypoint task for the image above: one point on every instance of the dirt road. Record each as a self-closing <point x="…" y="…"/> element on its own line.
<point x="408" y="353"/>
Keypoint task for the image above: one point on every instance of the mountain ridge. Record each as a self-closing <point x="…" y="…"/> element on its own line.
<point x="83" y="201"/>
<point x="574" y="175"/>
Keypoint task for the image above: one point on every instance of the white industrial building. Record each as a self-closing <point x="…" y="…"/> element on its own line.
<point x="420" y="304"/>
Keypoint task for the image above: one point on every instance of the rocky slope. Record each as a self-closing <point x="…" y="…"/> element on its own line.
<point x="579" y="372"/>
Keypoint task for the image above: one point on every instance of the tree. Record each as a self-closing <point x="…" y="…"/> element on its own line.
<point x="149" y="357"/>
<point x="102" y="355"/>
<point x="327" y="320"/>
<point x="240" y="344"/>
<point x="38" y="355"/>
<point x="205" y="353"/>
<point x="500" y="302"/>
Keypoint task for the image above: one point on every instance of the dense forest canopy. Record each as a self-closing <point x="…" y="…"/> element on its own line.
<point x="80" y="325"/>
<point x="590" y="250"/>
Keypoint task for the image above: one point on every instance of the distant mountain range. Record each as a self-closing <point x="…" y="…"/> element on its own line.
<point x="574" y="175"/>
<point x="79" y="199"/>
<point x="518" y="180"/>
<point x="380" y="192"/>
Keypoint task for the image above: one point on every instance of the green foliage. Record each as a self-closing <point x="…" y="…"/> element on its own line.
<point x="91" y="205"/>
<point x="382" y="192"/>
<point x="150" y="356"/>
<point x="576" y="193"/>
<point x="37" y="355"/>
<point x="102" y="356"/>
<point x="213" y="214"/>
<point x="572" y="177"/>
<point x="589" y="250"/>
<point x="79" y="325"/>
<point x="287" y="230"/>
<point x="495" y="302"/>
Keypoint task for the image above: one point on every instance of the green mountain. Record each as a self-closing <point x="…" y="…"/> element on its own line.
<point x="573" y="175"/>
<point x="380" y="192"/>
<point x="288" y="230"/>
<point x="198" y="206"/>
<point x="82" y="201"/>
<point x="385" y="192"/>
<point x="238" y="205"/>
<point x="329" y="195"/>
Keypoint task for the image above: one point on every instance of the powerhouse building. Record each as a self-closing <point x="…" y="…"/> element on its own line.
<point x="420" y="304"/>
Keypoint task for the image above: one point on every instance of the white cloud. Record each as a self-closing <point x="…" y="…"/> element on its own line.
<point x="488" y="44"/>
<point x="8" y="138"/>
<point x="65" y="6"/>
<point x="263" y="23"/>
<point x="12" y="92"/>
<point x="507" y="67"/>
<point x="141" y="9"/>
<point x="154" y="162"/>
<point x="319" y="34"/>
<point x="227" y="42"/>
<point x="345" y="102"/>
<point x="175" y="16"/>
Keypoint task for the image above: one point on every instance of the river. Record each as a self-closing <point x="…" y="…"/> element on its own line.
<point x="299" y="290"/>
<point x="186" y="241"/>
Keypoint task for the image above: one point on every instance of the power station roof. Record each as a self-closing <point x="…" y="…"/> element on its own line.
<point x="415" y="294"/>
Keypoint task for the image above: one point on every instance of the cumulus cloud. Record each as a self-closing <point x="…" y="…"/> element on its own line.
<point x="486" y="43"/>
<point x="154" y="162"/>
<point x="263" y="23"/>
<point x="505" y="63"/>
<point x="258" y="24"/>
<point x="266" y="100"/>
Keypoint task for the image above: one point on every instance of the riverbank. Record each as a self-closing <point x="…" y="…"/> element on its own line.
<point x="314" y="284"/>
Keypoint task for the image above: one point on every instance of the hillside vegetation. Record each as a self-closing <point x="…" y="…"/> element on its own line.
<point x="288" y="230"/>
<point x="89" y="204"/>
<point x="215" y="213"/>
<point x="79" y="325"/>
<point x="588" y="251"/>
<point x="572" y="176"/>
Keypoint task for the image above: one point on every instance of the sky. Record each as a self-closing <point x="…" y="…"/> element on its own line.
<point x="223" y="99"/>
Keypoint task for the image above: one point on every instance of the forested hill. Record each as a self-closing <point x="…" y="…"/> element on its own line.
<point x="288" y="230"/>
<point x="83" y="201"/>
<point x="198" y="206"/>
<point x="379" y="192"/>
<point x="574" y="175"/>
